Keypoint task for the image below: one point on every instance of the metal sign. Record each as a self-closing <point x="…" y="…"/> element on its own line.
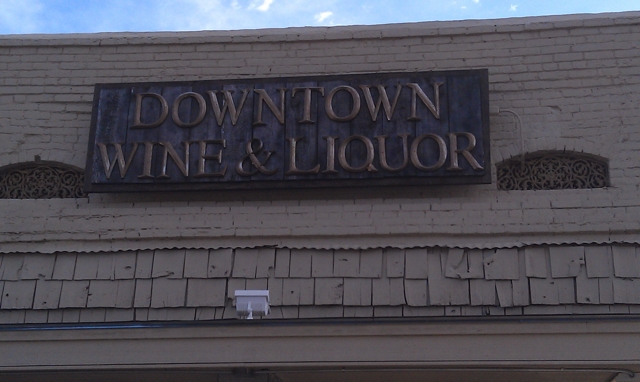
<point x="352" y="130"/>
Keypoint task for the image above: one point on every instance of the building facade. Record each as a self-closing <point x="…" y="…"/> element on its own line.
<point x="535" y="276"/>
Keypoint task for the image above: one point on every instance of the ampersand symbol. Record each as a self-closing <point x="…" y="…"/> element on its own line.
<point x="251" y="155"/>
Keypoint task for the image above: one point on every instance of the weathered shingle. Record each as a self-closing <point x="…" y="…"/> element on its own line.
<point x="86" y="267"/>
<point x="520" y="287"/>
<point x="196" y="262"/>
<point x="36" y="316"/>
<point x="464" y="264"/>
<point x="357" y="291"/>
<point x="587" y="291"/>
<point x="394" y="262"/>
<point x="320" y="311"/>
<point x="442" y="290"/>
<point x="566" y="260"/>
<point x="282" y="262"/>
<point x="64" y="266"/>
<point x="245" y="263"/>
<point x="371" y="263"/>
<point x="329" y="291"/>
<point x="275" y="291"/>
<point x="321" y="263"/>
<point x="346" y="263"/>
<point x="544" y="292"/>
<point x="119" y="315"/>
<point x="416" y="292"/>
<point x="144" y="264"/>
<point x="220" y="263"/>
<point x="11" y="267"/>
<point x="599" y="261"/>
<point x="416" y="266"/>
<point x="259" y="284"/>
<point x="605" y="286"/>
<point x="300" y="263"/>
<point x="125" y="293"/>
<point x="297" y="291"/>
<point x="37" y="266"/>
<point x="504" y="290"/>
<point x="206" y="292"/>
<point x="626" y="291"/>
<point x="536" y="262"/>
<point x="232" y="286"/>
<point x="74" y="294"/>
<point x="390" y="292"/>
<point x="92" y="315"/>
<point x="483" y="292"/>
<point x="168" y="293"/>
<point x="47" y="294"/>
<point x="102" y="294"/>
<point x="12" y="316"/>
<point x="168" y="263"/>
<point x="106" y="270"/>
<point x="124" y="265"/>
<point x="501" y="264"/>
<point x="266" y="262"/>
<point x="626" y="262"/>
<point x="18" y="294"/>
<point x="142" y="296"/>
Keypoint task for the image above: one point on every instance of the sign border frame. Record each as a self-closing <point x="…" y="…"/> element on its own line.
<point x="486" y="178"/>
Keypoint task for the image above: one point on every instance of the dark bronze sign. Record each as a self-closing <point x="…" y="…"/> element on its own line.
<point x="356" y="130"/>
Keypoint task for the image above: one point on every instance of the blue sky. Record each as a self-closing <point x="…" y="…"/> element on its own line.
<point x="71" y="16"/>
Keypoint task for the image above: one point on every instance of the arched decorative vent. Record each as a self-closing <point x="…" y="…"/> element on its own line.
<point x="553" y="170"/>
<point x="41" y="180"/>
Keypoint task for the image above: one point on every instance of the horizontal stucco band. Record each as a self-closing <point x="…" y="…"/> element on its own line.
<point x="562" y="343"/>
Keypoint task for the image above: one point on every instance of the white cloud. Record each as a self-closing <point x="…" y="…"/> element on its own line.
<point x="513" y="8"/>
<point x="320" y="17"/>
<point x="476" y="1"/>
<point x="265" y="6"/>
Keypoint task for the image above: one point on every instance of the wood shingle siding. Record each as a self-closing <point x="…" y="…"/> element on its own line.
<point x="194" y="284"/>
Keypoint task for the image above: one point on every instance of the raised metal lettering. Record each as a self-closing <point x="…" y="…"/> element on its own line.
<point x="263" y="97"/>
<point x="442" y="152"/>
<point x="466" y="152"/>
<point x="137" y="123"/>
<point x="170" y="151"/>
<point x="251" y="155"/>
<point x="383" y="99"/>
<point x="119" y="159"/>
<point x="202" y="105"/>
<point x="306" y="113"/>
<point x="293" y="168"/>
<point x="146" y="164"/>
<point x="328" y="103"/>
<point x="368" y="163"/>
<point x="331" y="155"/>
<point x="227" y="104"/>
<point x="382" y="151"/>
<point x="202" y="158"/>
<point x="416" y="92"/>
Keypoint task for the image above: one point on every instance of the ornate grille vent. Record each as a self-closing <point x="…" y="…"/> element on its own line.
<point x="41" y="180"/>
<point x="553" y="170"/>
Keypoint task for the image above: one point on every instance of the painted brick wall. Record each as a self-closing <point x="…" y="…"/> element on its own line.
<point x="573" y="80"/>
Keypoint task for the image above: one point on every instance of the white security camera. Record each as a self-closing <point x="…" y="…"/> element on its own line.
<point x="252" y="302"/>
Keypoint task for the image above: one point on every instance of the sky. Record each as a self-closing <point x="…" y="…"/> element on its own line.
<point x="89" y="16"/>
